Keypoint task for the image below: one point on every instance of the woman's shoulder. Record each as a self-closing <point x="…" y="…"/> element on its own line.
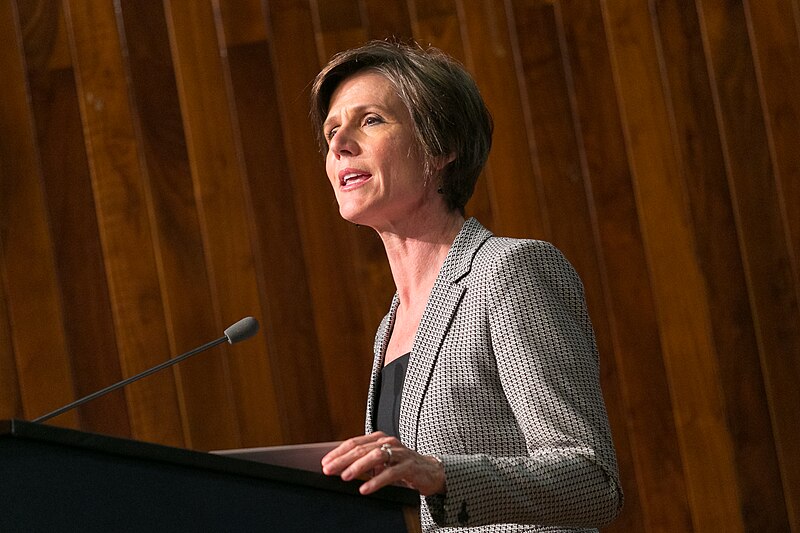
<point x="521" y="261"/>
<point x="508" y="251"/>
<point x="480" y="254"/>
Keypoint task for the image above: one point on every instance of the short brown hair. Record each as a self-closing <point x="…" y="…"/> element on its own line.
<point x="448" y="112"/>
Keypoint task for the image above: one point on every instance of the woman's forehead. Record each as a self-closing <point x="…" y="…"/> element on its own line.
<point x="364" y="89"/>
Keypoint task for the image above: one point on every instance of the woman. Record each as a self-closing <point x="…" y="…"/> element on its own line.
<point x="485" y="394"/>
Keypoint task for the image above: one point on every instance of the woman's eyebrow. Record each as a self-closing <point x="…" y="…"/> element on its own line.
<point x="357" y="109"/>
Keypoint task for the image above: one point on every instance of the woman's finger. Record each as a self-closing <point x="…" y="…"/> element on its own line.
<point x="352" y="450"/>
<point x="412" y="470"/>
<point x="348" y="445"/>
<point x="372" y="460"/>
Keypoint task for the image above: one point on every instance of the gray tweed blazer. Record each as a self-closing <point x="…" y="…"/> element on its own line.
<point x="503" y="385"/>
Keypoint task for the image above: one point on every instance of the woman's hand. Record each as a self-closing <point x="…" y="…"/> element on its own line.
<point x="387" y="461"/>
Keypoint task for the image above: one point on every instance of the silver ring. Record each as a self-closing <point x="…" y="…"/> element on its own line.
<point x="387" y="449"/>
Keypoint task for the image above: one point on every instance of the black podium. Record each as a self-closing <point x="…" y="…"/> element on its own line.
<point x="55" y="479"/>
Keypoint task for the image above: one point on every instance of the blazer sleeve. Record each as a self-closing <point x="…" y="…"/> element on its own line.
<point x="547" y="362"/>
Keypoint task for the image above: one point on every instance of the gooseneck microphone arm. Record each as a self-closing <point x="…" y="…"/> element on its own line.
<point x="241" y="330"/>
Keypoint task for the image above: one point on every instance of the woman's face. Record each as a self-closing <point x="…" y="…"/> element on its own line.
<point x="373" y="161"/>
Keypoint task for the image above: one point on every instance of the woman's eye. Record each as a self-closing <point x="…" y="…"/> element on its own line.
<point x="331" y="132"/>
<point x="372" y="120"/>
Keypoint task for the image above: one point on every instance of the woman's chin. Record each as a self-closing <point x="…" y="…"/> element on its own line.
<point x="352" y="215"/>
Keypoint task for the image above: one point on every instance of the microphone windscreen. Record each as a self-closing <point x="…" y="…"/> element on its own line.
<point x="243" y="329"/>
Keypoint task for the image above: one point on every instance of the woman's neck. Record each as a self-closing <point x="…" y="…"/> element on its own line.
<point x="416" y="256"/>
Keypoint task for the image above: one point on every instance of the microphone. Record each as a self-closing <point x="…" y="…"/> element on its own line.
<point x="241" y="330"/>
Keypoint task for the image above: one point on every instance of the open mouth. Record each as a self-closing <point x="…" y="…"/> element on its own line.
<point x="352" y="177"/>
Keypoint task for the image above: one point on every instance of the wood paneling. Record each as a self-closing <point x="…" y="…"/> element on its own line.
<point x="516" y="203"/>
<point x="753" y="178"/>
<point x="123" y="214"/>
<point x="223" y="208"/>
<point x="679" y="294"/>
<point x="708" y="195"/>
<point x="294" y="351"/>
<point x="29" y="274"/>
<point x="204" y="381"/>
<point x="159" y="180"/>
<point x="76" y="241"/>
<point x="332" y="262"/>
<point x="773" y="31"/>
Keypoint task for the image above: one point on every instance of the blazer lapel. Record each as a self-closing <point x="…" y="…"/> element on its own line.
<point x="442" y="304"/>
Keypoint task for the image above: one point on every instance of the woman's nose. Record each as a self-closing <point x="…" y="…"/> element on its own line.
<point x="343" y="143"/>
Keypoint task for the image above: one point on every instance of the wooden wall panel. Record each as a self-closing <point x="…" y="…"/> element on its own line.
<point x="31" y="287"/>
<point x="77" y="248"/>
<point x="775" y="40"/>
<point x="342" y="333"/>
<point x="678" y="288"/>
<point x="10" y="401"/>
<point x="218" y="172"/>
<point x="159" y="180"/>
<point x="71" y="210"/>
<point x="708" y="194"/>
<point x="124" y="218"/>
<point x="387" y="20"/>
<point x="204" y="382"/>
<point x="338" y="24"/>
<point x="298" y="375"/>
<point x="516" y="203"/>
<point x="768" y="269"/>
<point x="243" y="22"/>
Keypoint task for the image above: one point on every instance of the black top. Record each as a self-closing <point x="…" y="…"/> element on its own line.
<point x="391" y="391"/>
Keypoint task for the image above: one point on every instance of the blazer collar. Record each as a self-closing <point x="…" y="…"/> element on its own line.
<point x="442" y="304"/>
<point x="459" y="259"/>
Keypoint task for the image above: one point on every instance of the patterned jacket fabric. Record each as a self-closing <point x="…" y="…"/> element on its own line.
<point x="503" y="386"/>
